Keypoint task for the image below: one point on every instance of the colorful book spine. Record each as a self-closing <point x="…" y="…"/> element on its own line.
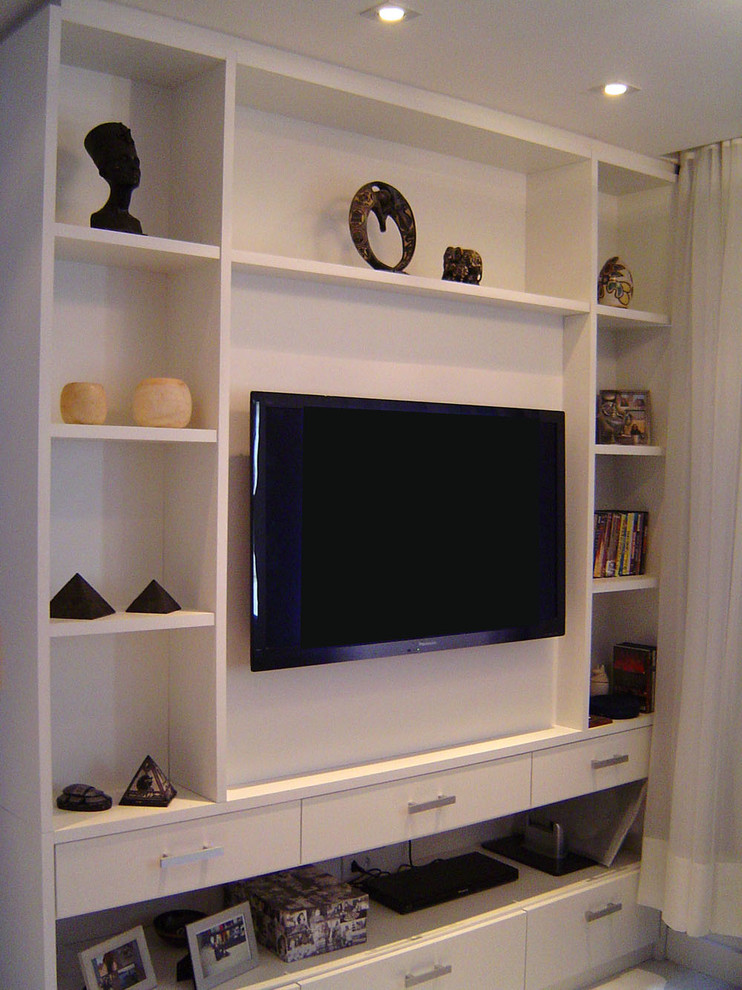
<point x="620" y="543"/>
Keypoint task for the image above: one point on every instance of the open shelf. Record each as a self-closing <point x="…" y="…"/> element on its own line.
<point x="387" y="930"/>
<point x="74" y="431"/>
<point x="130" y="622"/>
<point x="620" y="450"/>
<point x="612" y="318"/>
<point x="414" y="285"/>
<point x="110" y="247"/>
<point x="69" y="826"/>
<point x="641" y="582"/>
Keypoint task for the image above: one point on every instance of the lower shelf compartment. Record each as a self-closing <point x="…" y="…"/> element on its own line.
<point x="388" y="932"/>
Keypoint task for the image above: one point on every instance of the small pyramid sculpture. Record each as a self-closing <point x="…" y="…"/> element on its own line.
<point x="149" y="787"/>
<point x="78" y="600"/>
<point x="154" y="598"/>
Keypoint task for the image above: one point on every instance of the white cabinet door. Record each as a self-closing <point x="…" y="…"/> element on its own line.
<point x="104" y="872"/>
<point x="490" y="956"/>
<point x="575" y="934"/>
<point x="368" y="817"/>
<point x="580" y="768"/>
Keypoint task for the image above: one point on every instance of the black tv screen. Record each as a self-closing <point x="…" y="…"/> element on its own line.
<point x="383" y="527"/>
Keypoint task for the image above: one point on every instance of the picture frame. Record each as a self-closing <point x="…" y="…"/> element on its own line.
<point x="222" y="946"/>
<point x="121" y="961"/>
<point x="623" y="417"/>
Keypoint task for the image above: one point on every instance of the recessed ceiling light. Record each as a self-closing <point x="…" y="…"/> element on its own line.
<point x="389" y="13"/>
<point x="614" y="89"/>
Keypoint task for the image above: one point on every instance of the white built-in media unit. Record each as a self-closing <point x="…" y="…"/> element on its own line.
<point x="247" y="279"/>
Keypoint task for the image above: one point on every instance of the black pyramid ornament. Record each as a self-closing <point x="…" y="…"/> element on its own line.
<point x="78" y="600"/>
<point x="149" y="787"/>
<point x="154" y="598"/>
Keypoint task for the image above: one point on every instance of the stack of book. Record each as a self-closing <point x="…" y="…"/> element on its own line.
<point x="634" y="666"/>
<point x="620" y="543"/>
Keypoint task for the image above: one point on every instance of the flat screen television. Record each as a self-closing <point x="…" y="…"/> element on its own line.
<point x="383" y="527"/>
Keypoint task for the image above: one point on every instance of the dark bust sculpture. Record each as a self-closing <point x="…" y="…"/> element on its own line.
<point x="111" y="147"/>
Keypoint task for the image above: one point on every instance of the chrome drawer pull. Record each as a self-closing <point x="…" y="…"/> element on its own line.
<point x="612" y="761"/>
<point x="208" y="852"/>
<point x="440" y="802"/>
<point x="435" y="972"/>
<point x="604" y="912"/>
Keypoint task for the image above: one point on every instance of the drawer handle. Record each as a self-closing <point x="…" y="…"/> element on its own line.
<point x="603" y="912"/>
<point x="208" y="852"/>
<point x="434" y="974"/>
<point x="414" y="808"/>
<point x="612" y="761"/>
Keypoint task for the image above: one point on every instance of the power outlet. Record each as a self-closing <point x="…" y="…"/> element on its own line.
<point x="346" y="865"/>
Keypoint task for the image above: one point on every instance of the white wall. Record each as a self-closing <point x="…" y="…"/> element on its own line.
<point x="284" y="722"/>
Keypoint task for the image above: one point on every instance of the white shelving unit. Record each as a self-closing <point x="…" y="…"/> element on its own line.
<point x="247" y="278"/>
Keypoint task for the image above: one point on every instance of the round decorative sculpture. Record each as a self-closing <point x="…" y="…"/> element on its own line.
<point x="615" y="284"/>
<point x="462" y="265"/>
<point x="387" y="203"/>
<point x="162" y="402"/>
<point x="83" y="402"/>
<point x="112" y="149"/>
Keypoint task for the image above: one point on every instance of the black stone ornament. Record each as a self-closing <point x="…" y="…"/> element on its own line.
<point x="79" y="600"/>
<point x="462" y="265"/>
<point x="387" y="203"/>
<point x="83" y="797"/>
<point x="149" y="787"/>
<point x="154" y="598"/>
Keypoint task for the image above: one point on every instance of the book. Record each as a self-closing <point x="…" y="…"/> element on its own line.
<point x="634" y="666"/>
<point x="620" y="543"/>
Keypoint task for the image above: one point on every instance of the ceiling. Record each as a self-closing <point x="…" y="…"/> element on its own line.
<point x="538" y="59"/>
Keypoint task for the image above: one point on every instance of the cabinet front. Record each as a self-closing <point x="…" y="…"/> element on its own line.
<point x="104" y="872"/>
<point x="577" y="934"/>
<point x="489" y="957"/>
<point x="368" y="817"/>
<point x="581" y="768"/>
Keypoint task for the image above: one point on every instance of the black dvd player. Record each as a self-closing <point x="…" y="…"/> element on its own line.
<point x="439" y="881"/>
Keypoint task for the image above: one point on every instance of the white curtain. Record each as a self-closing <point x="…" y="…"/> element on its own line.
<point x="692" y="856"/>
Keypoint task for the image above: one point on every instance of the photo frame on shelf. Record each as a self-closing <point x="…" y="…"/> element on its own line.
<point x="123" y="960"/>
<point x="623" y="417"/>
<point x="222" y="946"/>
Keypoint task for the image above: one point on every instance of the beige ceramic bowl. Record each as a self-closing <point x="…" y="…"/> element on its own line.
<point x="83" y="402"/>
<point x="162" y="402"/>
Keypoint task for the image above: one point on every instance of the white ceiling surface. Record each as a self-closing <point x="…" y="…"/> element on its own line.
<point x="538" y="59"/>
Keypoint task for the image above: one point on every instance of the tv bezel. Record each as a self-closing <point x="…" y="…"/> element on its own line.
<point x="264" y="658"/>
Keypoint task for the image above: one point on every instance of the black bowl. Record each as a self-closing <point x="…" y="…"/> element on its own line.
<point x="171" y="925"/>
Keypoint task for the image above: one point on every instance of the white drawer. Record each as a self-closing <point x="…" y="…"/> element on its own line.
<point x="579" y="768"/>
<point x="577" y="933"/>
<point x="488" y="957"/>
<point x="107" y="871"/>
<point x="368" y="817"/>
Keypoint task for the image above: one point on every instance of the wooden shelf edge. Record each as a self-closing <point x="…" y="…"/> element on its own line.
<point x="128" y="622"/>
<point x="111" y="247"/>
<point x="74" y="431"/>
<point x="328" y="273"/>
<point x="637" y="450"/>
<point x="641" y="582"/>
<point x="613" y="318"/>
<point x="69" y="826"/>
